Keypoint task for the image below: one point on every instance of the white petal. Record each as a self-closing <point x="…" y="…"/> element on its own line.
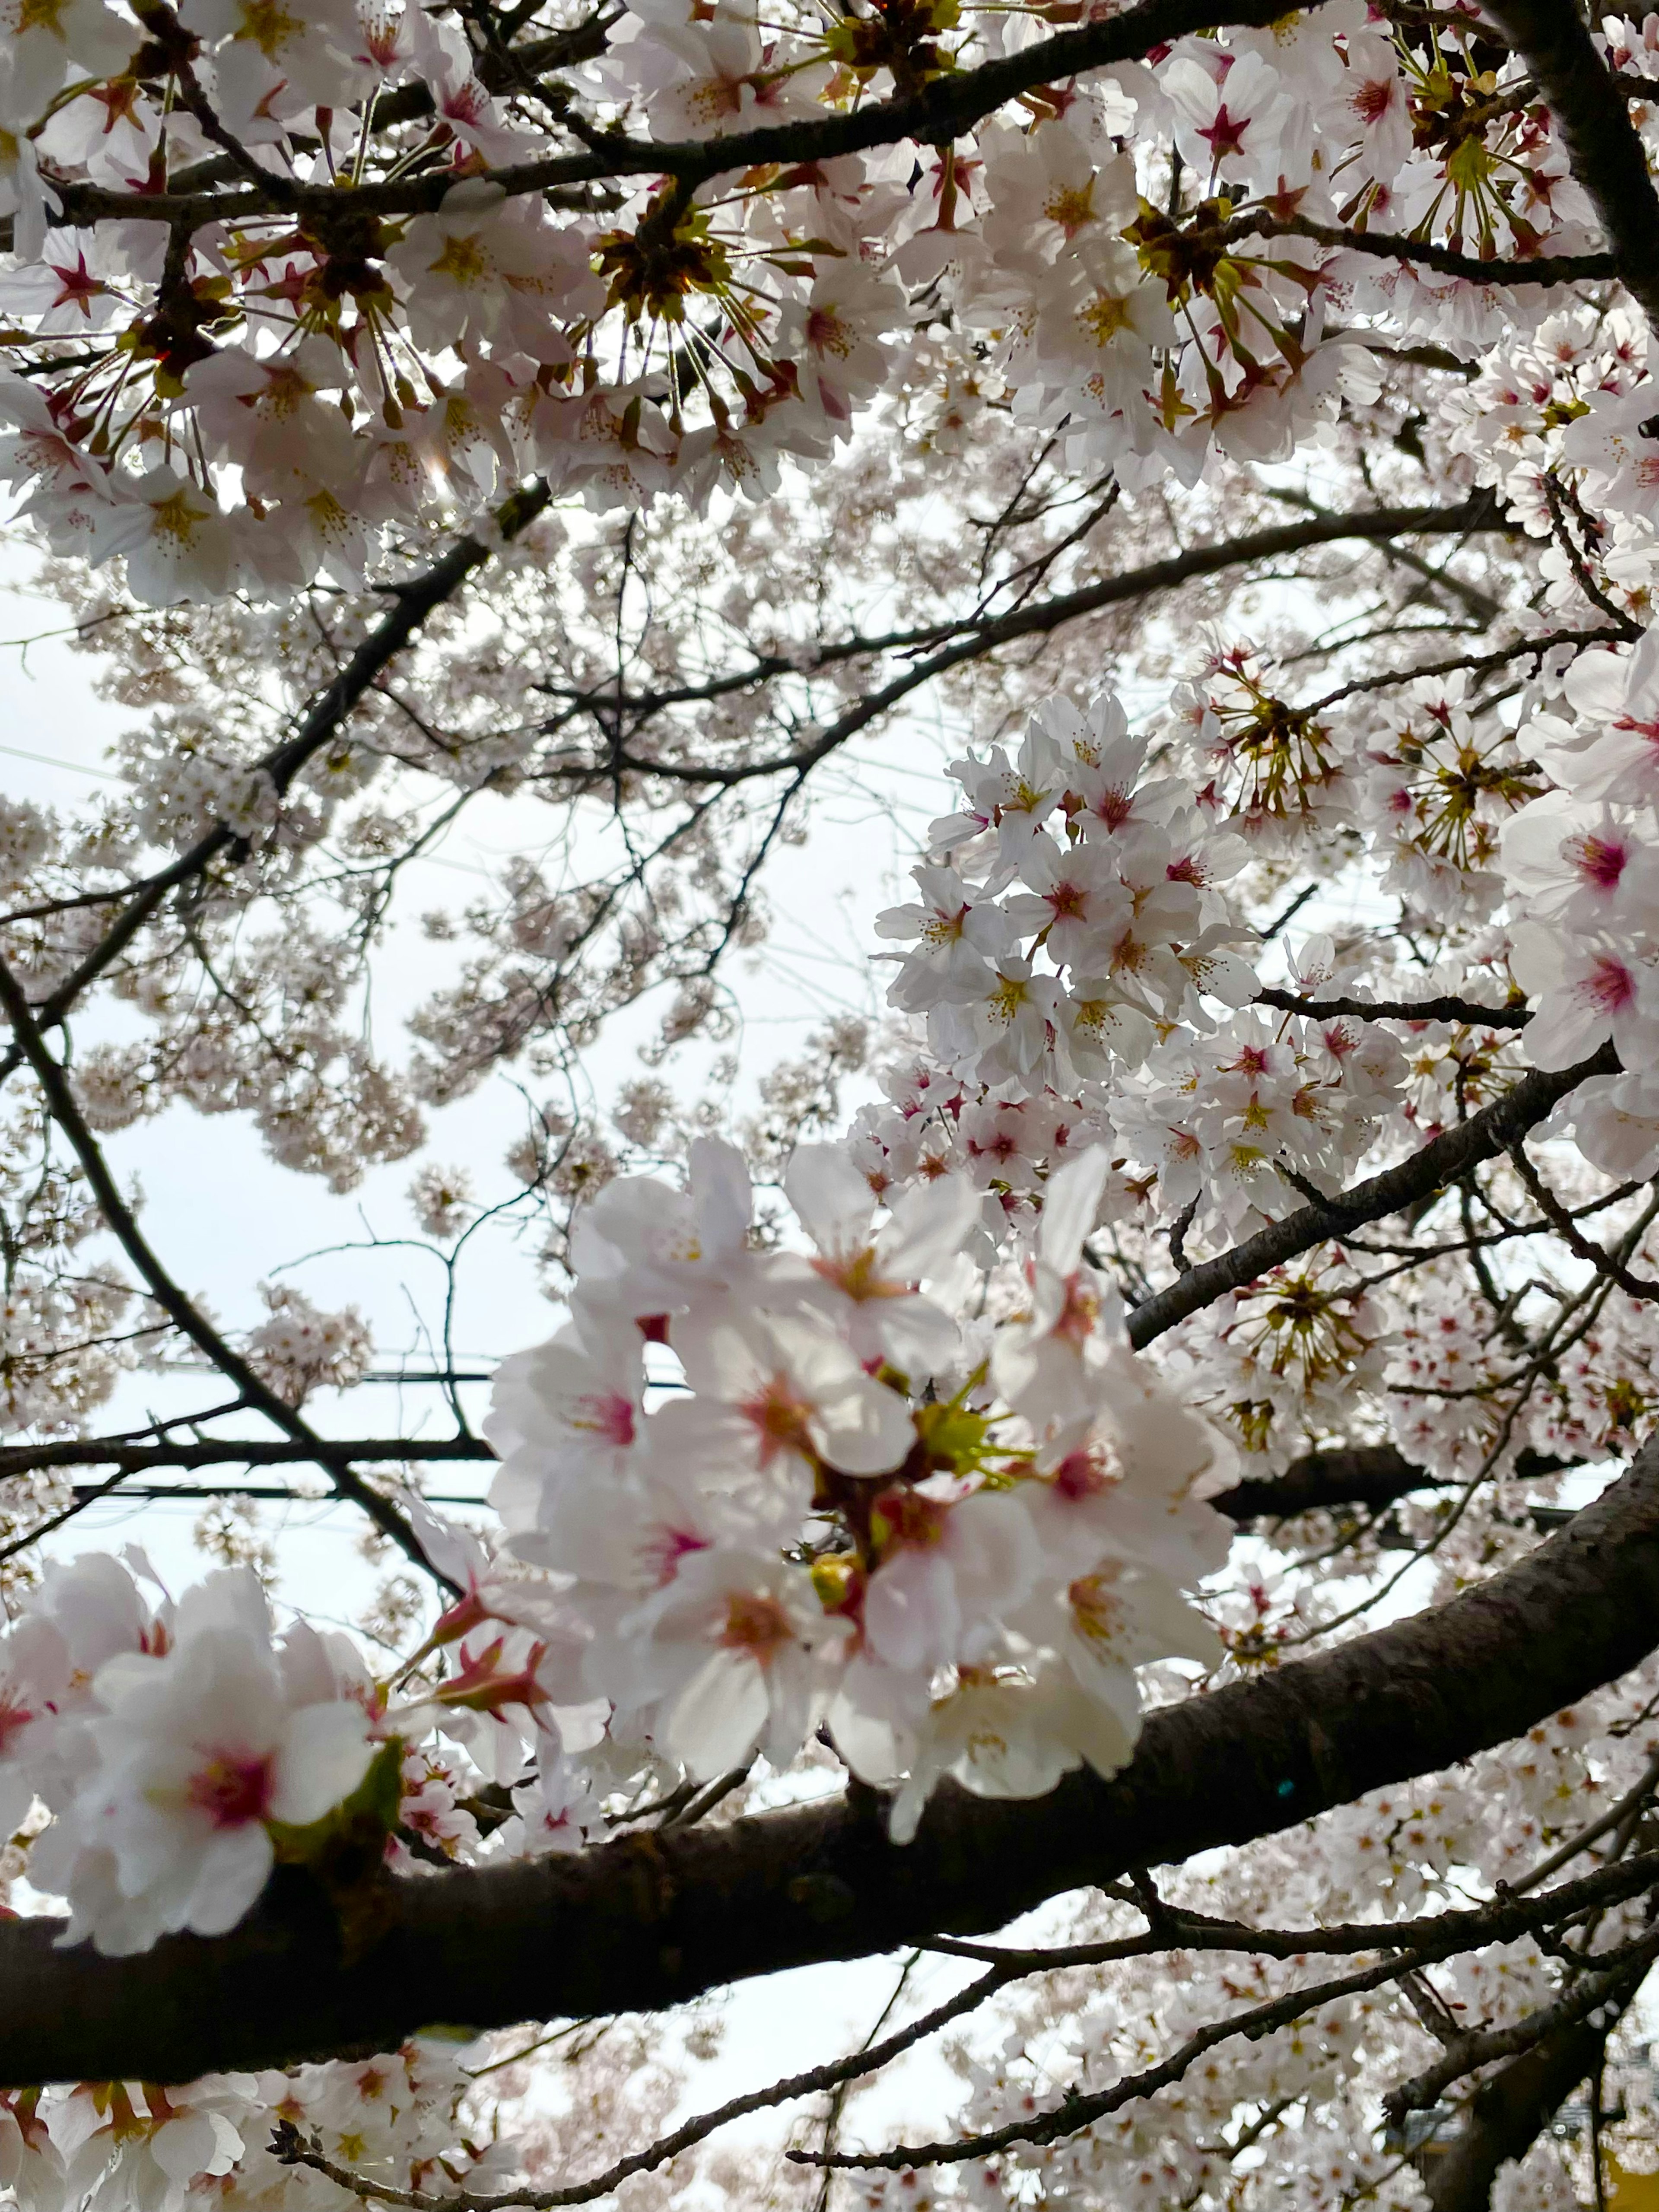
<point x="1070" y="1202"/>
<point x="862" y="1427"/>
<point x="927" y="1227"/>
<point x="720" y="1185"/>
<point x="324" y="1754"/>
<point x="718" y="1718"/>
<point x="830" y="1194"/>
<point x="234" y="1868"/>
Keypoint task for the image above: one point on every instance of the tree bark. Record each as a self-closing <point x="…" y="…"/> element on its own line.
<point x="1507" y="2112"/>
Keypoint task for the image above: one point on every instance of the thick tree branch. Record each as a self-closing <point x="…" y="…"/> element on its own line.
<point x="1593" y="115"/>
<point x="1443" y="1009"/>
<point x="1373" y="1476"/>
<point x="648" y="1921"/>
<point x="1369" y="1476"/>
<point x="1507" y="2113"/>
<point x="948" y="105"/>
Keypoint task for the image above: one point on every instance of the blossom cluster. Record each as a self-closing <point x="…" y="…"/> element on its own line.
<point x="399" y="2116"/>
<point x="381" y="301"/>
<point x="161" y="1757"/>
<point x="1580" y="865"/>
<point x="950" y="1542"/>
<point x="1086" y="979"/>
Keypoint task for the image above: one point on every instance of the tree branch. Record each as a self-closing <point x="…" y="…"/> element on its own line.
<point x="1468" y="1011"/>
<point x="1075" y="2112"/>
<point x="1438" y="1163"/>
<point x="948" y="105"/>
<point x="1542" y="268"/>
<point x="295" y="2150"/>
<point x="647" y="1921"/>
<point x="1604" y="1263"/>
<point x="182" y="1312"/>
<point x="228" y="1451"/>
<point x="1593" y="115"/>
<point x="1507" y="2112"/>
<point x="413" y="602"/>
<point x="1373" y="1476"/>
<point x="1467" y="2053"/>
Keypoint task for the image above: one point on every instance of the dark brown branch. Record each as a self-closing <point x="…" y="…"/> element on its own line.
<point x="1076" y="2113"/>
<point x="1579" y="640"/>
<point x="293" y="2150"/>
<point x="1604" y="1263"/>
<point x="649" y="1921"/>
<point x="1507" y="2112"/>
<point x="1369" y="1477"/>
<point x="228" y="1451"/>
<point x="1435" y="1165"/>
<point x="1467" y="2053"/>
<point x="1543" y="269"/>
<point x="1373" y="1476"/>
<point x="944" y="108"/>
<point x="1499" y="1922"/>
<point x="1480" y="512"/>
<point x="1468" y="1011"/>
<point x="1592" y="115"/>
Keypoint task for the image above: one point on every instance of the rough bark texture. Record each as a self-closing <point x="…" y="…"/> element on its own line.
<point x="1594" y="119"/>
<point x="1364" y="1476"/>
<point x="647" y="1921"/>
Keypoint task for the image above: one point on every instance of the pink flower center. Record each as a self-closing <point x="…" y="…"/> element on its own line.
<point x="1599" y="861"/>
<point x="1000" y="1146"/>
<point x="1080" y="1312"/>
<point x="666" y="1548"/>
<point x="1225" y="136"/>
<point x="857" y="1275"/>
<point x="903" y="1517"/>
<point x="232" y="1789"/>
<point x="778" y="1418"/>
<point x="608" y="1414"/>
<point x="756" y="1624"/>
<point x="1372" y="100"/>
<point x="14" y="1719"/>
<point x="1609" y="986"/>
<point x="1082" y="1475"/>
